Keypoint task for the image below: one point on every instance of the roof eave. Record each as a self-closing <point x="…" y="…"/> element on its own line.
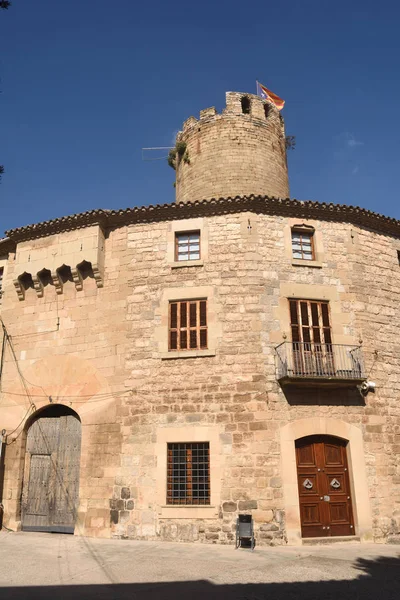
<point x="304" y="209"/>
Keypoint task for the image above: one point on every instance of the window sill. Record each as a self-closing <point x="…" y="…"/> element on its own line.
<point x="299" y="262"/>
<point x="186" y="263"/>
<point x="188" y="511"/>
<point x="186" y="354"/>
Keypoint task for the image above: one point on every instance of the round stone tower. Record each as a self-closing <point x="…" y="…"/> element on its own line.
<point x="239" y="152"/>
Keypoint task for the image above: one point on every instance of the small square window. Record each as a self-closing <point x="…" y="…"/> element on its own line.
<point x="187" y="246"/>
<point x="188" y="473"/>
<point x="303" y="244"/>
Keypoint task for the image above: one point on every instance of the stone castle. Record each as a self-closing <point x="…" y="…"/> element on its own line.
<point x="167" y="368"/>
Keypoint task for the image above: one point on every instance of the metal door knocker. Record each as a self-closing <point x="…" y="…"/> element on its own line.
<point x="307" y="484"/>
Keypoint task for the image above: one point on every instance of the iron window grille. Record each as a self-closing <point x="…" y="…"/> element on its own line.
<point x="188" y="473"/>
<point x="187" y="246"/>
<point x="188" y="325"/>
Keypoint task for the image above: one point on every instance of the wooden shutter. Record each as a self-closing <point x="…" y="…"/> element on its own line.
<point x="312" y="351"/>
<point x="309" y="321"/>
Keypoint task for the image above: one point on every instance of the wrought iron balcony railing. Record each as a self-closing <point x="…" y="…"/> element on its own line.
<point x="298" y="361"/>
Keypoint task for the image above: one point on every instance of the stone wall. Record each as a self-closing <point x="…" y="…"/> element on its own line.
<point x="103" y="359"/>
<point x="232" y="153"/>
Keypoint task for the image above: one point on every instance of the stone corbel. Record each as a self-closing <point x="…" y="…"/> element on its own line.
<point x="57" y="282"/>
<point x="77" y="278"/>
<point x="20" y="289"/>
<point x="37" y="284"/>
<point x="97" y="275"/>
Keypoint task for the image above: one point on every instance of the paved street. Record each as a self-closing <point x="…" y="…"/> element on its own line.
<point x="41" y="565"/>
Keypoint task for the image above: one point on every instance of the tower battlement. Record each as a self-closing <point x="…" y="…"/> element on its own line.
<point x="240" y="151"/>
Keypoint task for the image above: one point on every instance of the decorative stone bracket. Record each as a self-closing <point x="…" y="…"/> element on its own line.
<point x="57" y="282"/>
<point x="38" y="285"/>
<point x="71" y="256"/>
<point x="28" y="280"/>
<point x="19" y="289"/>
<point x="77" y="277"/>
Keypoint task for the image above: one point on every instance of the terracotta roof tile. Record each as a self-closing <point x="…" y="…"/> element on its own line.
<point x="305" y="209"/>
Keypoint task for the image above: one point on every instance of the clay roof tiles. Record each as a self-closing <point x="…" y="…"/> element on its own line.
<point x="305" y="209"/>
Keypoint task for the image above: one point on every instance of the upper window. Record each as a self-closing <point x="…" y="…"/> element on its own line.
<point x="188" y="325"/>
<point x="303" y="244"/>
<point x="1" y="281"/>
<point x="187" y="246"/>
<point x="188" y="473"/>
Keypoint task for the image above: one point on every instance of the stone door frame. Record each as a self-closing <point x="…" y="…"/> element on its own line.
<point x="358" y="474"/>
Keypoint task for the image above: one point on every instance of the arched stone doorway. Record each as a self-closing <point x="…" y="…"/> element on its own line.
<point x="51" y="473"/>
<point x="358" y="483"/>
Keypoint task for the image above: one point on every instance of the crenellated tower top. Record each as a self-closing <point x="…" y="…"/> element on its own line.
<point x="240" y="151"/>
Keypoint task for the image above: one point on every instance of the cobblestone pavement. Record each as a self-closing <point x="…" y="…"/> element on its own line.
<point x="41" y="565"/>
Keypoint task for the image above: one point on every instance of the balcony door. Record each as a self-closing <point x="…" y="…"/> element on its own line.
<point x="311" y="338"/>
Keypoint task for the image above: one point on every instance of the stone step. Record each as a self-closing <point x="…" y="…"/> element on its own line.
<point x="322" y="541"/>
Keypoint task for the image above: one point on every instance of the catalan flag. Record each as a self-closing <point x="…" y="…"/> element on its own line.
<point x="266" y="94"/>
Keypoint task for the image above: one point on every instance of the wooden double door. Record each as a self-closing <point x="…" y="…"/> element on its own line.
<point x="324" y="489"/>
<point x="51" y="477"/>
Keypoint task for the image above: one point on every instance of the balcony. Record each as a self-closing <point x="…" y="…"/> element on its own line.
<point x="310" y="364"/>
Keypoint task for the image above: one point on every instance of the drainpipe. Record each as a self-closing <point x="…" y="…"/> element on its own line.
<point x="3" y="350"/>
<point x="2" y="443"/>
<point x="2" y="448"/>
<point x="3" y="433"/>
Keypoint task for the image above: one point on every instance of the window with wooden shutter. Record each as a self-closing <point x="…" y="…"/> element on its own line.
<point x="311" y="337"/>
<point x="187" y="246"/>
<point x="188" y="473"/>
<point x="303" y="244"/>
<point x="188" y="325"/>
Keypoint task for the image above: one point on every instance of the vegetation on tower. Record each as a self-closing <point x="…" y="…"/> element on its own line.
<point x="175" y="155"/>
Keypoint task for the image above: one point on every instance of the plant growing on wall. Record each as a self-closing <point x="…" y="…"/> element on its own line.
<point x="175" y="155"/>
<point x="290" y="142"/>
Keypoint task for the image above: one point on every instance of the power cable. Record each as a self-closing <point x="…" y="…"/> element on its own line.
<point x="67" y="397"/>
<point x="18" y="426"/>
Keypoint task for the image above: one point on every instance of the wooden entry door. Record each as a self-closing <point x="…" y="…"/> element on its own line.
<point x="51" y="478"/>
<point x="324" y="490"/>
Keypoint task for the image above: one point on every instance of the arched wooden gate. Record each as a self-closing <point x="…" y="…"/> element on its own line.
<point x="51" y="475"/>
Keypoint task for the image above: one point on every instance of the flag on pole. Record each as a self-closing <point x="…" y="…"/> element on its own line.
<point x="266" y="94"/>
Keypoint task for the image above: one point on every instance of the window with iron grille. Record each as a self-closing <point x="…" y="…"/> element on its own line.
<point x="187" y="246"/>
<point x="188" y="325"/>
<point x="188" y="473"/>
<point x="303" y="244"/>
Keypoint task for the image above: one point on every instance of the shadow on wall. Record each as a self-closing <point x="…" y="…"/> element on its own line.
<point x="380" y="579"/>
<point x="324" y="397"/>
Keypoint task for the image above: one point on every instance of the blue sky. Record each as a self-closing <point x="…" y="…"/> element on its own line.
<point x="85" y="85"/>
